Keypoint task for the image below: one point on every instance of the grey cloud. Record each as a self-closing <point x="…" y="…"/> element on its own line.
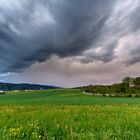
<point x="124" y="21"/>
<point x="134" y="55"/>
<point x="34" y="31"/>
<point x="26" y="37"/>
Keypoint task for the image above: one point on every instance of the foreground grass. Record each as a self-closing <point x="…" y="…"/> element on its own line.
<point x="55" y="115"/>
<point x="72" y="122"/>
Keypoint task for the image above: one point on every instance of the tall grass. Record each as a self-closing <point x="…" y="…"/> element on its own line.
<point x="72" y="122"/>
<point x="68" y="115"/>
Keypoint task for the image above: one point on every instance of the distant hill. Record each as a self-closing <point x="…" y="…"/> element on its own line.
<point x="11" y="86"/>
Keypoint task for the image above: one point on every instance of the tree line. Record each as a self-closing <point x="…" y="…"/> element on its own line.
<point x="130" y="87"/>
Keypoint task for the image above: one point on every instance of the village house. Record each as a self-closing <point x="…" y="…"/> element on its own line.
<point x="2" y="92"/>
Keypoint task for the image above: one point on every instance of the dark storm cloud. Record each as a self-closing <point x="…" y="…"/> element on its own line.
<point x="74" y="43"/>
<point x="134" y="51"/>
<point x="34" y="31"/>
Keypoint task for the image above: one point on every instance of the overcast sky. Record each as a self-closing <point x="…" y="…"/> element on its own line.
<point x="69" y="42"/>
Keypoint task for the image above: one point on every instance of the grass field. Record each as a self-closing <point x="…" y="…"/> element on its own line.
<point x="67" y="114"/>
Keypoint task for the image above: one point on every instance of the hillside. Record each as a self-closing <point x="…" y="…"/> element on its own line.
<point x="25" y="86"/>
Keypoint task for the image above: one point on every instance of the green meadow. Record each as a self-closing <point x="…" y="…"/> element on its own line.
<point x="68" y="114"/>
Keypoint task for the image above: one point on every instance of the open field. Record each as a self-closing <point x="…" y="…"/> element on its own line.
<point x="67" y="114"/>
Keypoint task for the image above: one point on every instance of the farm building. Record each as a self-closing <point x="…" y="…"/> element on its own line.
<point x="2" y="92"/>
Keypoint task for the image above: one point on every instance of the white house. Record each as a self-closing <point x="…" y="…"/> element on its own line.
<point x="131" y="84"/>
<point x="1" y="92"/>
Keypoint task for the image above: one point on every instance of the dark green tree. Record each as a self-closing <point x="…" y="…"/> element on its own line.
<point x="137" y="82"/>
<point x="127" y="80"/>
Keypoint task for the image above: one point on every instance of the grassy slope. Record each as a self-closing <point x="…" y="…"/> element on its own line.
<point x="61" y="96"/>
<point x="63" y="115"/>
